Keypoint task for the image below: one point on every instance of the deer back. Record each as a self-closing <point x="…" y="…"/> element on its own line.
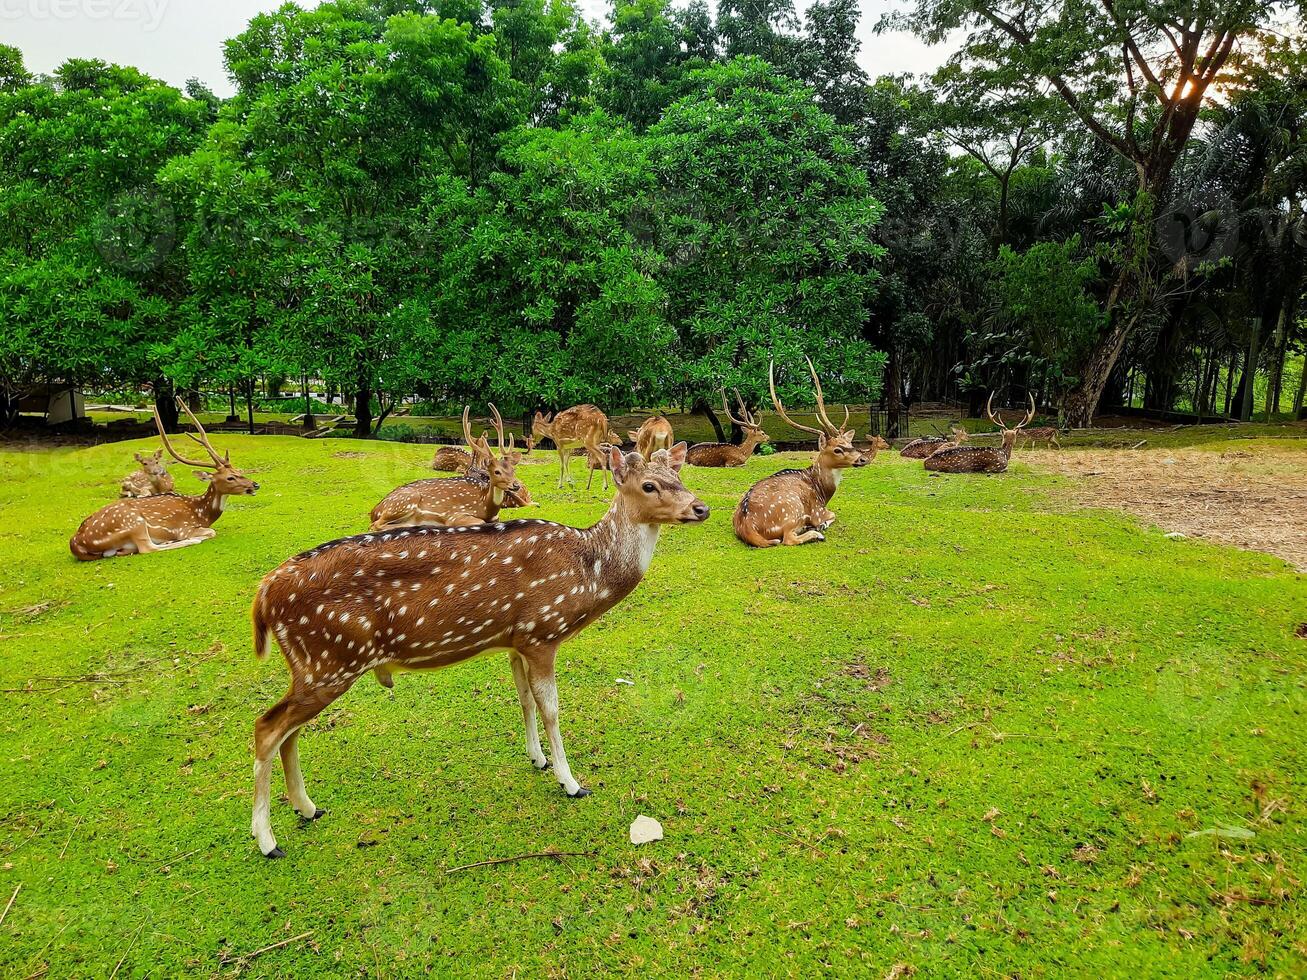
<point x="437" y="500"/>
<point x="716" y="454"/>
<point x="580" y="423"/>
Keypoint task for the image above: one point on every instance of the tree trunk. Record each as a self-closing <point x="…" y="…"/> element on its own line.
<point x="893" y="393"/>
<point x="701" y="407"/>
<point x="1302" y="391"/>
<point x="363" y="407"/>
<point x="1249" y="381"/>
<point x="308" y="420"/>
<point x="1277" y="359"/>
<point x="249" y="403"/>
<point x="165" y="402"/>
<point x="1082" y="401"/>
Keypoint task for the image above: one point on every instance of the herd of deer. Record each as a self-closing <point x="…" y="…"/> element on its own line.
<point x="439" y="579"/>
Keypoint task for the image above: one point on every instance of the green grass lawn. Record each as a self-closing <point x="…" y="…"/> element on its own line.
<point x="969" y="734"/>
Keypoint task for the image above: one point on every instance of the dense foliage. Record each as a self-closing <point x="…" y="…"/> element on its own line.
<point x="1101" y="204"/>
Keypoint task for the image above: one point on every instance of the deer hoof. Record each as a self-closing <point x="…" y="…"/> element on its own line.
<point x="580" y="792"/>
<point x="276" y="852"/>
<point x="319" y="812"/>
<point x="542" y="764"/>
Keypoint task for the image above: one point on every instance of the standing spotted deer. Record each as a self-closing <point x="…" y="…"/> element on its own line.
<point x="581" y="426"/>
<point x="723" y="453"/>
<point x="1046" y="434"/>
<point x="980" y="459"/>
<point x="427" y="597"/>
<point x="140" y="525"/>
<point x="455" y="500"/>
<point x="791" y="507"/>
<point x="654" y="434"/>
<point x="151" y="479"/>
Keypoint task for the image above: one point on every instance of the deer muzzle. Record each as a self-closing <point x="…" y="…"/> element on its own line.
<point x="696" y="513"/>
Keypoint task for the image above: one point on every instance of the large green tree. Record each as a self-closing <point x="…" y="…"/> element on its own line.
<point x="89" y="276"/>
<point x="1135" y="74"/>
<point x="767" y="225"/>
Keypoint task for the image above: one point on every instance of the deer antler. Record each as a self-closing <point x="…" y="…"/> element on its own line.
<point x="1029" y="415"/>
<point x="499" y="430"/>
<point x="203" y="438"/>
<point x="780" y="409"/>
<point x="749" y="418"/>
<point x="831" y="429"/>
<point x="727" y="409"/>
<point x="989" y="412"/>
<point x="158" y="423"/>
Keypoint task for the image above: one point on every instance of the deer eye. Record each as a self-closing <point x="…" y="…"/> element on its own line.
<point x="650" y="488"/>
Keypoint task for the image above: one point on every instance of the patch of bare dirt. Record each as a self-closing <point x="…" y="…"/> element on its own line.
<point x="1254" y="499"/>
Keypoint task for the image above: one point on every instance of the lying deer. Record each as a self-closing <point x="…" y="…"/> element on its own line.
<point x="929" y="445"/>
<point x="169" y="520"/>
<point x="451" y="459"/>
<point x="429" y="597"/>
<point x="654" y="434"/>
<point x="151" y="479"/>
<point x="790" y="507"/>
<point x="580" y="426"/>
<point x="455" y="500"/>
<point x="723" y="453"/>
<point x="479" y="463"/>
<point x="980" y="459"/>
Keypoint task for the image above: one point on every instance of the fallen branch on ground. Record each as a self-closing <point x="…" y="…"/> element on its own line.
<point x="557" y="855"/>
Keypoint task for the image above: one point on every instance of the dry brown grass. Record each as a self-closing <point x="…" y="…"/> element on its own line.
<point x="1253" y="494"/>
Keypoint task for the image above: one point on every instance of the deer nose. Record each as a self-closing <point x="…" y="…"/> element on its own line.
<point x="700" y="511"/>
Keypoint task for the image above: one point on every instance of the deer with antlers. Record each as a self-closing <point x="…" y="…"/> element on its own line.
<point x="581" y="426"/>
<point x="980" y="459"/>
<point x="429" y="597"/>
<point x="457" y="500"/>
<point x="791" y="507"/>
<point x="723" y="453"/>
<point x="139" y="525"/>
<point x="654" y="434"/>
<point x="927" y="446"/>
<point x="150" y="480"/>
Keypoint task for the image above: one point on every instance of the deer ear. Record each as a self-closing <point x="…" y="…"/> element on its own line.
<point x="617" y="462"/>
<point x="676" y="457"/>
<point x="821" y="441"/>
<point x="204" y="476"/>
<point x="139" y="458"/>
<point x="158" y="454"/>
<point x="632" y="434"/>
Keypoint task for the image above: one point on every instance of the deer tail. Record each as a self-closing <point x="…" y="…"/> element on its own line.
<point x="262" y="632"/>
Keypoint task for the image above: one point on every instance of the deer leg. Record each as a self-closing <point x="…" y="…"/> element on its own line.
<point x="563" y="473"/>
<point x="544" y="687"/>
<point x="792" y="536"/>
<point x="1053" y="441"/>
<point x="524" y="695"/>
<point x="274" y="727"/>
<point x="290" y="767"/>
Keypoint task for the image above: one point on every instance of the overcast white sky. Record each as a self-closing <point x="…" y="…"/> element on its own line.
<point x="180" y="39"/>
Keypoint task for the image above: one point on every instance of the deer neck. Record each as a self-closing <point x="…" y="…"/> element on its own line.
<point x="620" y="548"/>
<point x="824" y="480"/>
<point x="209" y="505"/>
<point x="494" y="500"/>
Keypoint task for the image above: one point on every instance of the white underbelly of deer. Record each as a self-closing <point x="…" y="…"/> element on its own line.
<point x="424" y="598"/>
